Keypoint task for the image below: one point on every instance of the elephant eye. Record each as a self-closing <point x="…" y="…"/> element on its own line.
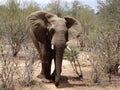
<point x="52" y="31"/>
<point x="52" y="21"/>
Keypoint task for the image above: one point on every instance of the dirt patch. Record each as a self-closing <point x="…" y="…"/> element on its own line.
<point x="69" y="82"/>
<point x="69" y="79"/>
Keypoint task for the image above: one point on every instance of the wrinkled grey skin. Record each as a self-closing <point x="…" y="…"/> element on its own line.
<point x="49" y="34"/>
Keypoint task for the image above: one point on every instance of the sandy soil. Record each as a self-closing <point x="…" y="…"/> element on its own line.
<point x="68" y="79"/>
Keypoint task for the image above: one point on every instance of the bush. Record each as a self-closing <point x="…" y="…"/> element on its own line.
<point x="13" y="26"/>
<point x="72" y="56"/>
<point x="8" y="71"/>
<point x="105" y="49"/>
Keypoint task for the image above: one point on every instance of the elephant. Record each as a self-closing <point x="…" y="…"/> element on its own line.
<point x="50" y="34"/>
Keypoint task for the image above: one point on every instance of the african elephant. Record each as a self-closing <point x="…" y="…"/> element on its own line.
<point x="49" y="34"/>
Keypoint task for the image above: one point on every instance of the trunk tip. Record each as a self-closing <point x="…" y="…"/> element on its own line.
<point x="56" y="84"/>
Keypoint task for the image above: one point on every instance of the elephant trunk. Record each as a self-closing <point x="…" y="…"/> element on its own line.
<point x="58" y="63"/>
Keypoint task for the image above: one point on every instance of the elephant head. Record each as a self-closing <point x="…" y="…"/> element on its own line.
<point x="55" y="31"/>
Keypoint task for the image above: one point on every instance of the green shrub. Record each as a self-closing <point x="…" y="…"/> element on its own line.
<point x="73" y="54"/>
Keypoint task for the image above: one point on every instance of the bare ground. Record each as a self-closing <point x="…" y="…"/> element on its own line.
<point x="68" y="79"/>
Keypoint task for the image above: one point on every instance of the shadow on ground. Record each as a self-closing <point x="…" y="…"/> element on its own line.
<point x="66" y="82"/>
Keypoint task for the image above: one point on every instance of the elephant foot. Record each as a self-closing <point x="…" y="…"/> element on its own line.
<point x="40" y="76"/>
<point x="43" y="79"/>
<point x="57" y="81"/>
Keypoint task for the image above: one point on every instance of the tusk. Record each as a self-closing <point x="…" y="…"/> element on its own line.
<point x="52" y="47"/>
<point x="69" y="48"/>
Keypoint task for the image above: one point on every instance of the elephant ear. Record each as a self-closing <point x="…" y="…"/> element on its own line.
<point x="39" y="18"/>
<point x="74" y="27"/>
<point x="38" y="24"/>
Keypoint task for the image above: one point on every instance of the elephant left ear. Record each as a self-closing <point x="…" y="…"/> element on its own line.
<point x="74" y="27"/>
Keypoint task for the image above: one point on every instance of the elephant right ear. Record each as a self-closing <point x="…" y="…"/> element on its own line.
<point x="39" y="19"/>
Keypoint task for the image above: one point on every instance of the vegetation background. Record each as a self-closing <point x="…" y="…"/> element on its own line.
<point x="100" y="36"/>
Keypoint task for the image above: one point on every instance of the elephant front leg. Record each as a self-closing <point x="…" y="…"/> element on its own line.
<point x="46" y="65"/>
<point x="45" y="72"/>
<point x="42" y="73"/>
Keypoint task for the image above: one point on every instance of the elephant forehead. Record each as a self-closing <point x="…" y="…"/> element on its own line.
<point x="61" y="20"/>
<point x="57" y="20"/>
